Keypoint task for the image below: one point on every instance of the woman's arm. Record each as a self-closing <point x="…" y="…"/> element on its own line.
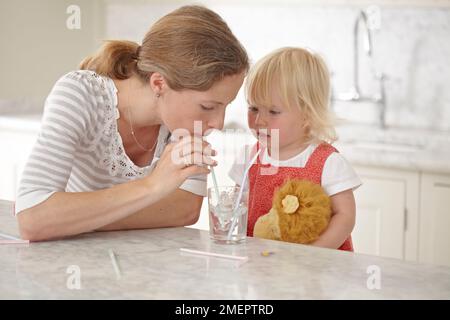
<point x="69" y="213"/>
<point x="180" y="208"/>
<point x="65" y="213"/>
<point x="341" y="223"/>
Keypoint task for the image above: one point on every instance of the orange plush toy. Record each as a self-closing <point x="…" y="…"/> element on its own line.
<point x="301" y="211"/>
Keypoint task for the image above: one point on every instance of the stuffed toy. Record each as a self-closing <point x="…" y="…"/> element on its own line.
<point x="301" y="211"/>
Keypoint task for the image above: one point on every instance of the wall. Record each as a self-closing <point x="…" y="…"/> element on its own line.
<point x="37" y="47"/>
<point x="411" y="47"/>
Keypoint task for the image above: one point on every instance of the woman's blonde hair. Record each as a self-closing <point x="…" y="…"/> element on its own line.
<point x="192" y="47"/>
<point x="302" y="80"/>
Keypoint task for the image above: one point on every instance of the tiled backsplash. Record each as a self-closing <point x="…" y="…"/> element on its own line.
<point x="411" y="47"/>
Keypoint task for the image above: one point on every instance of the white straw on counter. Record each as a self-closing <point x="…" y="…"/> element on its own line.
<point x="114" y="263"/>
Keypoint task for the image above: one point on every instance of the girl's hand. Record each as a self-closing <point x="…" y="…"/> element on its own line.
<point x="188" y="157"/>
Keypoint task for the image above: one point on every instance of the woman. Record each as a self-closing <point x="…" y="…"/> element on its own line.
<point x="104" y="159"/>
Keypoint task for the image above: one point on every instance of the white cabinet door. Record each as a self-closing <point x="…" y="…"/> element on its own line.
<point x="382" y="206"/>
<point x="380" y="218"/>
<point x="434" y="236"/>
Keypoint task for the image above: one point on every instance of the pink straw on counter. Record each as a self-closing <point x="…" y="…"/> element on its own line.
<point x="212" y="254"/>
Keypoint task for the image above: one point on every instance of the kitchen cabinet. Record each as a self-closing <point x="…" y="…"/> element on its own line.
<point x="387" y="213"/>
<point x="434" y="234"/>
<point x="403" y="214"/>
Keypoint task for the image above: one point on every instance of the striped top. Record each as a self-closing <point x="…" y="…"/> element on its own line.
<point x="79" y="148"/>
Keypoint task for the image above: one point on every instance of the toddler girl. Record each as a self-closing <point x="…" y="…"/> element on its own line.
<point x="288" y="93"/>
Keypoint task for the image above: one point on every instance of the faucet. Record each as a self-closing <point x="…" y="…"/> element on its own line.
<point x="362" y="17"/>
<point x="354" y="94"/>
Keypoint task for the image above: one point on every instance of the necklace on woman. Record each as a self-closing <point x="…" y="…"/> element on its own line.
<point x="134" y="136"/>
<point x="131" y="126"/>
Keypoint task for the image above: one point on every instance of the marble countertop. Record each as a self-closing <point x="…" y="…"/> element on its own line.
<point x="395" y="148"/>
<point x="152" y="267"/>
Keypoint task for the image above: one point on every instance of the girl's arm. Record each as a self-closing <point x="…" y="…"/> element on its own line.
<point x="341" y="223"/>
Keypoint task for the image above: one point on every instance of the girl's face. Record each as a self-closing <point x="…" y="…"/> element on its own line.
<point x="179" y="109"/>
<point x="290" y="124"/>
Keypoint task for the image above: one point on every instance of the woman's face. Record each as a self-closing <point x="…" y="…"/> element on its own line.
<point x="180" y="109"/>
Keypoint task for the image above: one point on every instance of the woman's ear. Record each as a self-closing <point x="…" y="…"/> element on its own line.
<point x="157" y="83"/>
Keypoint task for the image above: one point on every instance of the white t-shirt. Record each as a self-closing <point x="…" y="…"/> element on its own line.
<point x="337" y="175"/>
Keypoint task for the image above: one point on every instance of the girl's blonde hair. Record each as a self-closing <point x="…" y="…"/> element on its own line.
<point x="302" y="80"/>
<point x="192" y="47"/>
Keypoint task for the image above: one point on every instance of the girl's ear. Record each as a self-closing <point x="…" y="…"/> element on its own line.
<point x="305" y="122"/>
<point x="157" y="83"/>
<point x="306" y="127"/>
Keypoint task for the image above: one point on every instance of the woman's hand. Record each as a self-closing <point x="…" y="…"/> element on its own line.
<point x="188" y="157"/>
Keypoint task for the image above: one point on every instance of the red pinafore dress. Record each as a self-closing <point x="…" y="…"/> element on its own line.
<point x="262" y="186"/>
